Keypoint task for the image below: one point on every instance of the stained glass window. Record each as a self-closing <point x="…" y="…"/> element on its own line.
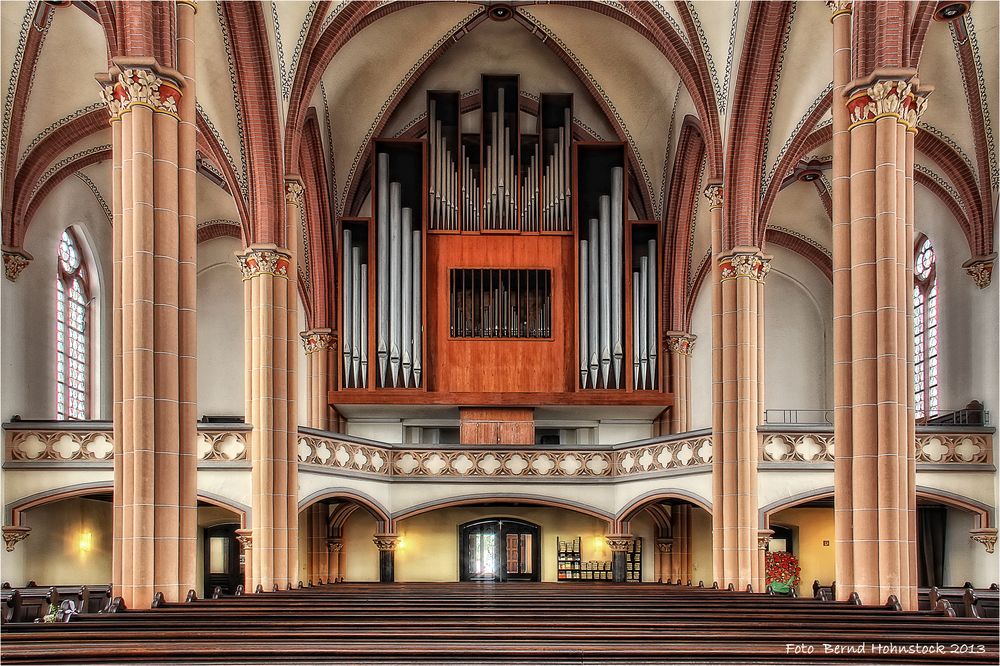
<point x="72" y="332"/>
<point x="925" y="330"/>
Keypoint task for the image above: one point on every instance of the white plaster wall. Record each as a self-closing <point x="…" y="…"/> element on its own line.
<point x="798" y="334"/>
<point x="220" y="329"/>
<point x="28" y="311"/>
<point x="701" y="360"/>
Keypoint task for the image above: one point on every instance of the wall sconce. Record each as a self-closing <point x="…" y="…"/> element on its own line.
<point x="86" y="541"/>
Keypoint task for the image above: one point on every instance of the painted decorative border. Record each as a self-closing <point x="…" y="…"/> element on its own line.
<point x="97" y="195"/>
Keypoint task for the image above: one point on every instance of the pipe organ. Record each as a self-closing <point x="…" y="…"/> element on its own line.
<point x="505" y="260"/>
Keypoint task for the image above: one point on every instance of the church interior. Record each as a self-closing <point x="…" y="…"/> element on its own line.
<point x="433" y="304"/>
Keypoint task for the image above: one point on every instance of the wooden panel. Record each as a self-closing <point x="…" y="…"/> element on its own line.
<point x="497" y="426"/>
<point x="596" y="397"/>
<point x="492" y="365"/>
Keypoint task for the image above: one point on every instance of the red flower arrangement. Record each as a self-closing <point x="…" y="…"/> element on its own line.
<point x="783" y="570"/>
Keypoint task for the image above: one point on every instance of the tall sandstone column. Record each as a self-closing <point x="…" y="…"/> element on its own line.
<point x="737" y="402"/>
<point x="271" y="329"/>
<point x="320" y="346"/>
<point x="875" y="472"/>
<point x="679" y="347"/>
<point x="154" y="245"/>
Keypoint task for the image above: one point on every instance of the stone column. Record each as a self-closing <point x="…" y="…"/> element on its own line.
<point x="319" y="557"/>
<point x="619" y="544"/>
<point x="270" y="402"/>
<point x="763" y="539"/>
<point x="664" y="560"/>
<point x="245" y="538"/>
<point x="679" y="347"/>
<point x="335" y="547"/>
<point x="321" y="347"/>
<point x="155" y="498"/>
<point x="875" y="485"/>
<point x="739" y="320"/>
<point x="386" y="543"/>
<point x="680" y="529"/>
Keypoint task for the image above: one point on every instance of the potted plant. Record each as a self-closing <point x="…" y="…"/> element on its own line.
<point x="783" y="572"/>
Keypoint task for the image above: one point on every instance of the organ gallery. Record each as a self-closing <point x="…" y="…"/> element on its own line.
<point x="496" y="332"/>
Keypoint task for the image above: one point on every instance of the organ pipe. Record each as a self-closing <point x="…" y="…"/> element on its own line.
<point x="443" y="175"/>
<point x="556" y="189"/>
<point x="406" y="314"/>
<point x="395" y="286"/>
<point x="604" y="234"/>
<point x="499" y="210"/>
<point x="584" y="323"/>
<point x="382" y="232"/>
<point x="347" y="300"/>
<point x="643" y="324"/>
<point x="354" y="300"/>
<point x="651" y="311"/>
<point x="594" y="275"/>
<point x="417" y="312"/>
<point x="617" y="241"/>
<point x="357" y="338"/>
<point x="644" y="354"/>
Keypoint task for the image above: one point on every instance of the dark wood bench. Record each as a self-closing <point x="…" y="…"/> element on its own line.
<point x="32" y="603"/>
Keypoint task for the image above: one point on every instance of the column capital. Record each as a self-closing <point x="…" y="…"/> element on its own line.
<point x="141" y="82"/>
<point x="294" y="191"/>
<point x="838" y="7"/>
<point x="619" y="543"/>
<point x="12" y="534"/>
<point x="193" y="4"/>
<point x="713" y="192"/>
<point x="980" y="269"/>
<point x="334" y="545"/>
<point x="318" y="339"/>
<point x="665" y="545"/>
<point x="744" y="262"/>
<point x="386" y="541"/>
<point x="764" y="538"/>
<point x="887" y="93"/>
<point x="678" y="342"/>
<point x="264" y="260"/>
<point x="984" y="535"/>
<point x="245" y="539"/>
<point x="14" y="261"/>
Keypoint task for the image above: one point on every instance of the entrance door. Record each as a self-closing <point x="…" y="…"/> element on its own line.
<point x="222" y="559"/>
<point x="497" y="550"/>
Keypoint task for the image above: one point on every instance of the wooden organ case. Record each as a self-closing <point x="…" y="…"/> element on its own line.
<point x="499" y="267"/>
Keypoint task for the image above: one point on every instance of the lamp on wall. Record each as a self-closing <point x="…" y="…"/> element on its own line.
<point x="86" y="541"/>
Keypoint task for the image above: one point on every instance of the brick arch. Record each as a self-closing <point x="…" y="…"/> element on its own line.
<point x="642" y="502"/>
<point x="318" y="221"/>
<point x="245" y="24"/>
<point x="491" y="498"/>
<point x="55" y="179"/>
<point x="803" y="248"/>
<point x="219" y="229"/>
<point x="756" y="83"/>
<point x="679" y="220"/>
<point x="953" y="206"/>
<point x="365" y="501"/>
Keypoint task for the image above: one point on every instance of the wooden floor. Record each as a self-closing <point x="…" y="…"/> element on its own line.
<point x="505" y="623"/>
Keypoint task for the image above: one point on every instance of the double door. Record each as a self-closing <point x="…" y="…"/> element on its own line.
<point x="499" y="550"/>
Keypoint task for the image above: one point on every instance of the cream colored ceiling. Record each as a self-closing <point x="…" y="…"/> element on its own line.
<point x="798" y="207"/>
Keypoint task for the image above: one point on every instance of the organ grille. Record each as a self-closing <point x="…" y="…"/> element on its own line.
<point x="500" y="303"/>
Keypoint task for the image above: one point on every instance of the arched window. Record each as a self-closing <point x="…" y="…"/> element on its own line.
<point x="72" y="332"/>
<point x="925" y="330"/>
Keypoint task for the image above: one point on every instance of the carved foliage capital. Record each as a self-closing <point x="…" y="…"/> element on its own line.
<point x="764" y="538"/>
<point x="680" y="343"/>
<point x="891" y="97"/>
<point x="294" y="193"/>
<point x="619" y="543"/>
<point x="140" y="86"/>
<point x="838" y="7"/>
<point x="255" y="261"/>
<point x="752" y="265"/>
<point x="984" y="535"/>
<point x="14" y="261"/>
<point x="318" y="340"/>
<point x="713" y="192"/>
<point x="980" y="269"/>
<point x="386" y="542"/>
<point x="245" y="539"/>
<point x="665" y="545"/>
<point x="334" y="545"/>
<point x="13" y="534"/>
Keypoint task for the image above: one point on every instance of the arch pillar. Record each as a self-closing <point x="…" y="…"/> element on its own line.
<point x="152" y="112"/>
<point x="320" y="345"/>
<point x="679" y="347"/>
<point x="875" y="121"/>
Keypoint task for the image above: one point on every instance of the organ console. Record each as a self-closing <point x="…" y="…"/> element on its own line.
<point x="504" y="260"/>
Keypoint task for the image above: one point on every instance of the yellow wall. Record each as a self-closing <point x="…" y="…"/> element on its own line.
<point x="701" y="546"/>
<point x="811" y="527"/>
<point x="359" y="559"/>
<point x="430" y="540"/>
<point x="52" y="554"/>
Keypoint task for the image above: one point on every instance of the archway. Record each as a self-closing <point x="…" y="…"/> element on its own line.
<point x="499" y="550"/>
<point x="337" y="542"/>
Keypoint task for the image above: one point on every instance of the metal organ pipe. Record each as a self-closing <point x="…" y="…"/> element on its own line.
<point x="356" y="338"/>
<point x="395" y="268"/>
<point x="347" y="267"/>
<point x="650" y="313"/>
<point x="584" y="313"/>
<point x="594" y="276"/>
<point x="643" y="329"/>
<point x="617" y="283"/>
<point x="604" y="232"/>
<point x="363" y="377"/>
<point x="635" y="330"/>
<point x="417" y="311"/>
<point x="382" y="231"/>
<point x="406" y="316"/>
